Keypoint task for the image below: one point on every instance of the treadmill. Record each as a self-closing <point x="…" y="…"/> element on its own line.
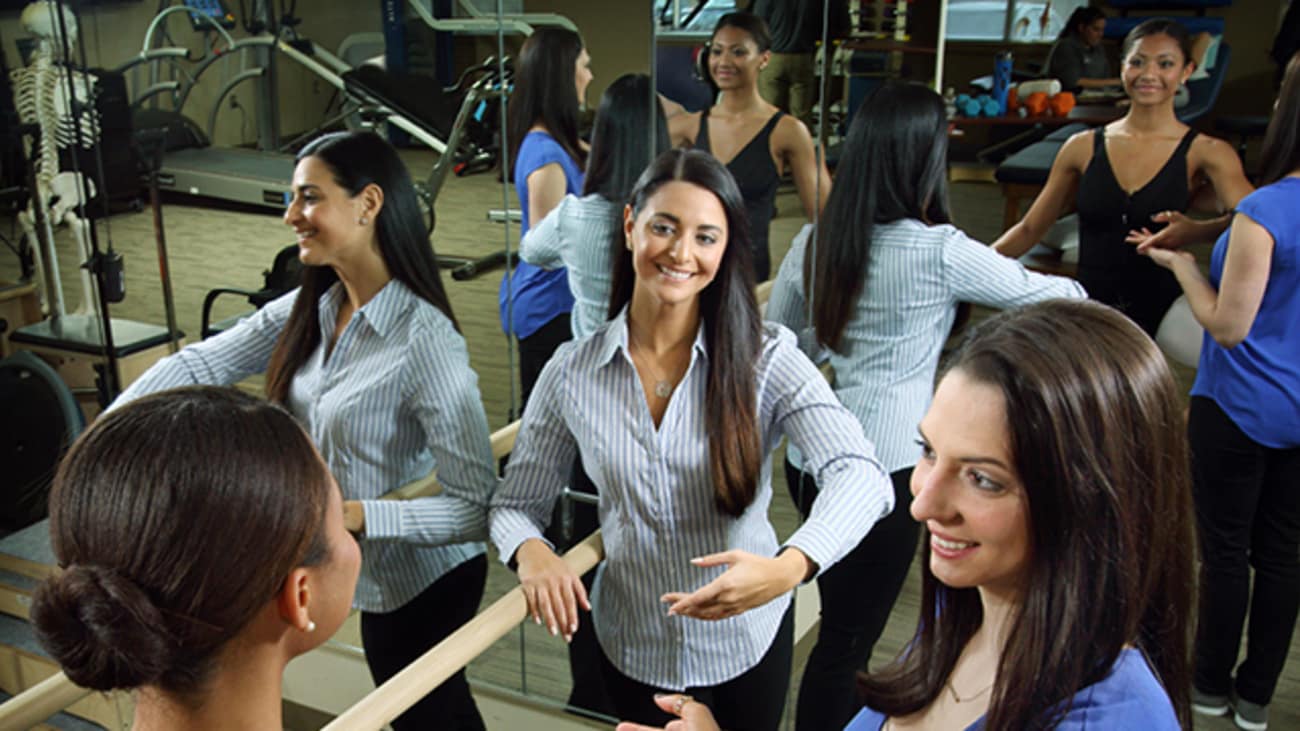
<point x="192" y="166"/>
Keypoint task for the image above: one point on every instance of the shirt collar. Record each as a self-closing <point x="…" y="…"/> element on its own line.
<point x="380" y="313"/>
<point x="613" y="338"/>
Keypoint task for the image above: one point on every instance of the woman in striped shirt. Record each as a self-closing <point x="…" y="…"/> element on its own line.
<point x="886" y="271"/>
<point x="368" y="357"/>
<point x="675" y="405"/>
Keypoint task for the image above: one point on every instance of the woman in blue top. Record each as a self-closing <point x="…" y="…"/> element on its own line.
<point x="546" y="160"/>
<point x="1245" y="428"/>
<point x="367" y="355"/>
<point x="1056" y="581"/>
<point x="887" y="270"/>
<point x="675" y="406"/>
<point x="584" y="234"/>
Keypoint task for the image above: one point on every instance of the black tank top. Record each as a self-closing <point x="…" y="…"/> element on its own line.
<point x="1110" y="268"/>
<point x="756" y="175"/>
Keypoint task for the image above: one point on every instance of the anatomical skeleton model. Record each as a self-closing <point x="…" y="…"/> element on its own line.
<point x="41" y="95"/>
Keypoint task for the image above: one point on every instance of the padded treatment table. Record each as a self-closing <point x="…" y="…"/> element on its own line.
<point x="1024" y="173"/>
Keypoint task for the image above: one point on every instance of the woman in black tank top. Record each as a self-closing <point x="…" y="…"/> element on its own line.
<point x="754" y="139"/>
<point x="1126" y="180"/>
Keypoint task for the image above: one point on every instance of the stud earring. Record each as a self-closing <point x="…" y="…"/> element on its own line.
<point x="311" y="626"/>
<point x="363" y="220"/>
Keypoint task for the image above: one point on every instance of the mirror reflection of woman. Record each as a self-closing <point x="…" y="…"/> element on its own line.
<point x="577" y="233"/>
<point x="202" y="547"/>
<point x="887" y="270"/>
<point x="546" y="162"/>
<point x="1077" y="59"/>
<point x="675" y="406"/>
<point x="756" y="141"/>
<point x="1057" y="572"/>
<point x="368" y="355"/>
<point x="1131" y="175"/>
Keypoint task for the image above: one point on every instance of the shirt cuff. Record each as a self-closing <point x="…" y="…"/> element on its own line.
<point x="509" y="533"/>
<point x="383" y="518"/>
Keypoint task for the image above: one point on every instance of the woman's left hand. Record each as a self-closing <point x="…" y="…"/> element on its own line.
<point x="750" y="581"/>
<point x="692" y="715"/>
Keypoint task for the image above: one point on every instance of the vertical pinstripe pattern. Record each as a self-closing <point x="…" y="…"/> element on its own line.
<point x="395" y="398"/>
<point x="578" y="235"/>
<point x="884" y="370"/>
<point x="656" y="495"/>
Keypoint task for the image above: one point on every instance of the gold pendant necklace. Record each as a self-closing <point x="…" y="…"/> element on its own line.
<point x="958" y="699"/>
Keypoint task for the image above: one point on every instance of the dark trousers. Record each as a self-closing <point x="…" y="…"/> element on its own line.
<point x="751" y="701"/>
<point x="564" y="532"/>
<point x="395" y="639"/>
<point x="857" y="595"/>
<point x="1248" y="512"/>
<point x="538" y="348"/>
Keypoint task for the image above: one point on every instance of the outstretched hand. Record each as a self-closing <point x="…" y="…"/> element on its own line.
<point x="1180" y="232"/>
<point x="1167" y="258"/>
<point x="750" y="581"/>
<point x="691" y="715"/>
<point x="553" y="591"/>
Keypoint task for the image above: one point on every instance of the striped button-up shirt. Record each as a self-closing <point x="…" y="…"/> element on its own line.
<point x="656" y="493"/>
<point x="889" y="352"/>
<point x="578" y="234"/>
<point x="395" y="398"/>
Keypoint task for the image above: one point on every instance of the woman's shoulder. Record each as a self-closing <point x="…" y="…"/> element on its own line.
<point x="1128" y="697"/>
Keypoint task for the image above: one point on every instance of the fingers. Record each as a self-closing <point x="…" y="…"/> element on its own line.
<point x="629" y="726"/>
<point x="726" y="558"/>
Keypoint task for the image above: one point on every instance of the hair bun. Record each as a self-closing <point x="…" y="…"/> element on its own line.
<point x="102" y="628"/>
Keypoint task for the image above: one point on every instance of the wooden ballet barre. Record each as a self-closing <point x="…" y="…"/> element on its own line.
<point x="33" y="706"/>
<point x="418" y="679"/>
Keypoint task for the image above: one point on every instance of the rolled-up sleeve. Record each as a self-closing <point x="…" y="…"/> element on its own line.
<point x="543" y="245"/>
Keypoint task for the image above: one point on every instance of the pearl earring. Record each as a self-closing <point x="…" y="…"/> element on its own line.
<point x="311" y="626"/>
<point x="363" y="220"/>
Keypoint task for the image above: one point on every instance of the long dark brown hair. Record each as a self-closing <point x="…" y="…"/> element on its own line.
<point x="355" y="160"/>
<point x="1281" y="150"/>
<point x="732" y="326"/>
<point x="176" y="518"/>
<point x="1097" y="436"/>
<point x="545" y="91"/>
<point x="894" y="167"/>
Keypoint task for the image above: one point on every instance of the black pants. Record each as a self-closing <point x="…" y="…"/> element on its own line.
<point x="584" y="652"/>
<point x="751" y="701"/>
<point x="1248" y="512"/>
<point x="857" y="595"/>
<point x="395" y="639"/>
<point x="538" y="348"/>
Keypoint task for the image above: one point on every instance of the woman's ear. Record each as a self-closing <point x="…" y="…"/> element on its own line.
<point x="371" y="198"/>
<point x="629" y="221"/>
<point x="294" y="600"/>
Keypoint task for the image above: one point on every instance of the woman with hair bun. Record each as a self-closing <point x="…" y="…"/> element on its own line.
<point x="171" y="584"/>
<point x="368" y="356"/>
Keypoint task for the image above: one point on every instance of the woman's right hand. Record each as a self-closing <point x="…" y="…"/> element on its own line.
<point x="553" y="591"/>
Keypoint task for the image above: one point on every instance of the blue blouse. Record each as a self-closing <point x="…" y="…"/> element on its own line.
<point x="1129" y="699"/>
<point x="540" y="295"/>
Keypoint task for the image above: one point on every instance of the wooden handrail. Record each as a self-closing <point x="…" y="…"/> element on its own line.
<point x="416" y="680"/>
<point x="31" y="707"/>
